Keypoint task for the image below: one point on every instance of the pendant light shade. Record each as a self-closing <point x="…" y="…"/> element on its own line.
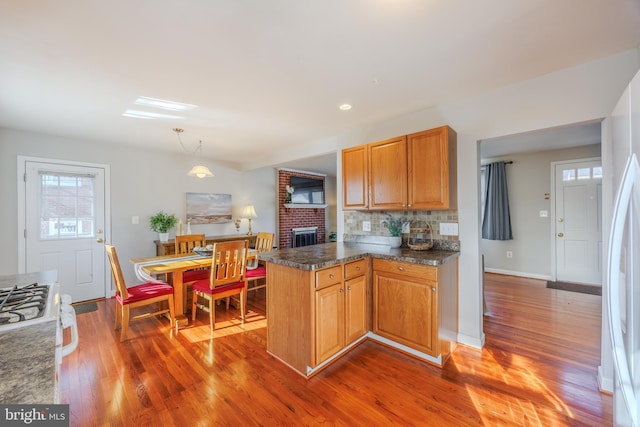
<point x="199" y="170"/>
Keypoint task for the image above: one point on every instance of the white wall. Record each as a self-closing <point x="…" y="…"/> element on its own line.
<point x="528" y="179"/>
<point x="142" y="183"/>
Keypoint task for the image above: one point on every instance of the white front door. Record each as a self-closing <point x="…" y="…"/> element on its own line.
<point x="64" y="222"/>
<point x="578" y="233"/>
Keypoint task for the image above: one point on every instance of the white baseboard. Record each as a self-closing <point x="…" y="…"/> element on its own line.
<point x="605" y="383"/>
<point x="518" y="273"/>
<point x="469" y="341"/>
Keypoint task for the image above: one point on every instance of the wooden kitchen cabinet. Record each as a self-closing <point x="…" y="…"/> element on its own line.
<point x="355" y="178"/>
<point x="416" y="171"/>
<point x="432" y="169"/>
<point x="388" y="174"/>
<point x="416" y="305"/>
<point x="340" y="309"/>
<point x="315" y="314"/>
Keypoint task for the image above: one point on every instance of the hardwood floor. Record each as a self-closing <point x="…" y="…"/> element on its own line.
<point x="538" y="368"/>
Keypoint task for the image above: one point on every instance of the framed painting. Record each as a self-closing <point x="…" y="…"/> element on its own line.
<point x="208" y="208"/>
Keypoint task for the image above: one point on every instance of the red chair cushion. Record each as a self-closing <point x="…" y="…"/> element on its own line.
<point x="145" y="291"/>
<point x="261" y="271"/>
<point x="193" y="275"/>
<point x="203" y="286"/>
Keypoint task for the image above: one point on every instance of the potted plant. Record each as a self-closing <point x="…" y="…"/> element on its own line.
<point x="161" y="223"/>
<point x="288" y="194"/>
<point x="394" y="225"/>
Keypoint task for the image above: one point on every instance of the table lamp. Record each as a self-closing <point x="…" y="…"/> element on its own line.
<point x="249" y="212"/>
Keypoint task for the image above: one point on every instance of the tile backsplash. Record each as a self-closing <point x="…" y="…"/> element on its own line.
<point x="353" y="221"/>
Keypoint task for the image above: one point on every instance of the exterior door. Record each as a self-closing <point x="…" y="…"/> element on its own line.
<point x="578" y="232"/>
<point x="64" y="223"/>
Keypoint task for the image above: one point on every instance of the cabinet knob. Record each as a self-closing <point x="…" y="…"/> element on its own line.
<point x="348" y="288"/>
<point x="433" y="289"/>
<point x="358" y="268"/>
<point x="341" y="290"/>
<point x="401" y="268"/>
<point x="331" y="276"/>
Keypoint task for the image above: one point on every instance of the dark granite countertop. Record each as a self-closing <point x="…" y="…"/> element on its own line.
<point x="328" y="254"/>
<point x="27" y="354"/>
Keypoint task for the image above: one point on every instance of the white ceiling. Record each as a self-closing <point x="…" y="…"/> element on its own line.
<point x="268" y="75"/>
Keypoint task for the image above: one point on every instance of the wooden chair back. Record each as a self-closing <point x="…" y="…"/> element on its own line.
<point x="116" y="271"/>
<point x="228" y="263"/>
<point x="264" y="242"/>
<point x="186" y="243"/>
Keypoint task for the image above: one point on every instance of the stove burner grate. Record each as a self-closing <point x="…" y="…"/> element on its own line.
<point x="25" y="303"/>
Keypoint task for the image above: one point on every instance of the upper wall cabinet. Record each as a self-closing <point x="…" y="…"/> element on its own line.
<point x="355" y="175"/>
<point x="416" y="171"/>
<point x="432" y="169"/>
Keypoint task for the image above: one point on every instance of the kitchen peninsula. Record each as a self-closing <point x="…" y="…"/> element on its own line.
<point x="323" y="300"/>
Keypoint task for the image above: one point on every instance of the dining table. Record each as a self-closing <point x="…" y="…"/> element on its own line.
<point x="175" y="266"/>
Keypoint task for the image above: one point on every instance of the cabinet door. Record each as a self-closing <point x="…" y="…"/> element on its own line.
<point x="405" y="310"/>
<point x="355" y="176"/>
<point x="329" y="328"/>
<point x="355" y="308"/>
<point x="432" y="169"/>
<point x="388" y="174"/>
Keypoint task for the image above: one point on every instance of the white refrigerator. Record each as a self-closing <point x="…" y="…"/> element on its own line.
<point x="623" y="269"/>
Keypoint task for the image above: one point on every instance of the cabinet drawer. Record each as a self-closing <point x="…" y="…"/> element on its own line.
<point x="355" y="269"/>
<point x="415" y="270"/>
<point x="328" y="276"/>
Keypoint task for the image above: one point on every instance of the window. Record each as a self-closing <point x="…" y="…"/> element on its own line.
<point x="67" y="206"/>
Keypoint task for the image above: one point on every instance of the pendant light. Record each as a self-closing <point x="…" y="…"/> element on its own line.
<point x="199" y="170"/>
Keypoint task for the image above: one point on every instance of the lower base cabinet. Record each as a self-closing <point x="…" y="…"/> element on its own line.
<point x="340" y="312"/>
<point x="416" y="305"/>
<point x="315" y="314"/>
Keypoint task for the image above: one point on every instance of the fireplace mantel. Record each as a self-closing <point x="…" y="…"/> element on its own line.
<point x="304" y="206"/>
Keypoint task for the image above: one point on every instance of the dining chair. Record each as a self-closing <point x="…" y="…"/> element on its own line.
<point x="264" y="243"/>
<point x="186" y="242"/>
<point x="227" y="277"/>
<point x="144" y="294"/>
<point x="184" y="245"/>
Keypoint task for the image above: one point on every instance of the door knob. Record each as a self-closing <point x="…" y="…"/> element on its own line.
<point x="99" y="240"/>
<point x="560" y="234"/>
<point x="560" y="219"/>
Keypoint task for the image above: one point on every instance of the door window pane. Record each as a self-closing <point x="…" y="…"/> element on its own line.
<point x="569" y="175"/>
<point x="597" y="172"/>
<point x="67" y="206"/>
<point x="584" y="173"/>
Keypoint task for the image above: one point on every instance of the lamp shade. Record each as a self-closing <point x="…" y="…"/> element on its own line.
<point x="249" y="212"/>
<point x="201" y="171"/>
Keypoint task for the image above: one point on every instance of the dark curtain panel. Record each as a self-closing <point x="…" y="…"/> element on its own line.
<point x="497" y="222"/>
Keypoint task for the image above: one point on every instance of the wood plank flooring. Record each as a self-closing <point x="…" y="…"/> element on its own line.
<point x="538" y="368"/>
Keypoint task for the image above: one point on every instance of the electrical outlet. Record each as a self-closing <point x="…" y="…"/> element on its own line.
<point x="448" y="228"/>
<point x="509" y="254"/>
<point x="544" y="214"/>
<point x="135" y="220"/>
<point x="366" y="225"/>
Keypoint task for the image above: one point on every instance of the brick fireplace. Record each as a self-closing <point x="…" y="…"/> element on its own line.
<point x="291" y="218"/>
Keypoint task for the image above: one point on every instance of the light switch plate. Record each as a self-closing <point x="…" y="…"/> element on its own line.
<point x="366" y="225"/>
<point x="135" y="219"/>
<point x="448" y="228"/>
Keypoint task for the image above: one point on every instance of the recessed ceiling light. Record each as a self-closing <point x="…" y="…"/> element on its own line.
<point x="345" y="107"/>
<point x="149" y="115"/>
<point x="164" y="104"/>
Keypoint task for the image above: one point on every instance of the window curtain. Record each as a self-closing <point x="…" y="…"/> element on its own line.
<point x="496" y="224"/>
